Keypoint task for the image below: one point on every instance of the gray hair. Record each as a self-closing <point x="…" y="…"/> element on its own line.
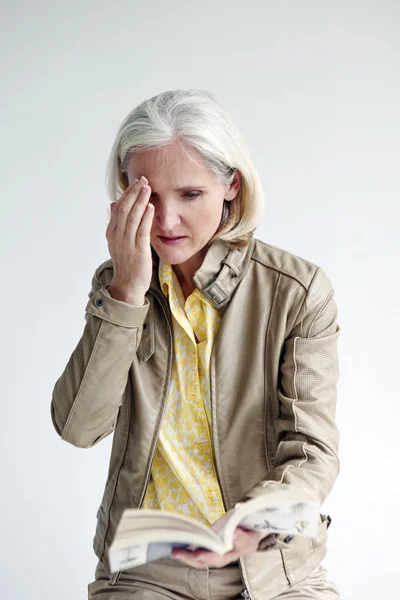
<point x="195" y="118"/>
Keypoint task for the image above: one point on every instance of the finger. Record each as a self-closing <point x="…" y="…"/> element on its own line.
<point x="124" y="206"/>
<point x="205" y="558"/>
<point x="218" y="562"/>
<point x="185" y="561"/>
<point x="192" y="562"/>
<point x="191" y="556"/>
<point x="221" y="560"/>
<point x="194" y="554"/>
<point x="143" y="232"/>
<point x="245" y="542"/>
<point x="113" y="214"/>
<point x="135" y="216"/>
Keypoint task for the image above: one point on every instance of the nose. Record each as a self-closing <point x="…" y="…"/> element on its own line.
<point x="166" y="217"/>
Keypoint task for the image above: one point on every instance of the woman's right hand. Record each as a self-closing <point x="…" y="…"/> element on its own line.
<point x="128" y="237"/>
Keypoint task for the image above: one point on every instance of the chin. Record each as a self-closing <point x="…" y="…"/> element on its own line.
<point x="175" y="255"/>
<point x="172" y="255"/>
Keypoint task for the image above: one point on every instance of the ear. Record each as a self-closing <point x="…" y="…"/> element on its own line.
<point x="125" y="180"/>
<point x="234" y="188"/>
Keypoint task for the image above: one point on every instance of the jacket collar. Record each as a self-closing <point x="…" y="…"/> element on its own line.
<point x="220" y="274"/>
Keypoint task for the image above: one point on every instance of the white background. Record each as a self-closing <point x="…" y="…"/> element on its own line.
<point x="314" y="88"/>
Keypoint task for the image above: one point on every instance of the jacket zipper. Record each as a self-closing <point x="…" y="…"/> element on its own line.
<point x="245" y="593"/>
<point x="215" y="457"/>
<point x="164" y="307"/>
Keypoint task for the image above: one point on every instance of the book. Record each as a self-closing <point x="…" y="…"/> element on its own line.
<point x="143" y="535"/>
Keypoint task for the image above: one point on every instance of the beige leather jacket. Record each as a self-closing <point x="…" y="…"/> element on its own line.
<point x="274" y="369"/>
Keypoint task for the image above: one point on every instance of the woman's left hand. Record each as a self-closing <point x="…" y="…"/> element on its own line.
<point x="245" y="543"/>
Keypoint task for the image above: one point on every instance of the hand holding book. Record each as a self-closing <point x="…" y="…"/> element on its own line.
<point x="245" y="543"/>
<point x="144" y="534"/>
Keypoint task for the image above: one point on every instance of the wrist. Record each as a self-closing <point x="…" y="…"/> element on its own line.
<point x="126" y="296"/>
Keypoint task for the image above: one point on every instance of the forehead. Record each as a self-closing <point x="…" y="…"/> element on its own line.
<point x="175" y="164"/>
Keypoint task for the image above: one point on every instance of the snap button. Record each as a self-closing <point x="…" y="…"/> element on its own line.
<point x="288" y="539"/>
<point x="99" y="302"/>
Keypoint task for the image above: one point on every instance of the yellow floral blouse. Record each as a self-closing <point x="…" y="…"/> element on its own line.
<point x="183" y="477"/>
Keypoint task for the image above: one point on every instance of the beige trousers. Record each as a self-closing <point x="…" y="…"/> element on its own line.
<point x="168" y="578"/>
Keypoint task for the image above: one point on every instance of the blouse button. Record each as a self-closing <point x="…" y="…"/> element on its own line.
<point x="99" y="302"/>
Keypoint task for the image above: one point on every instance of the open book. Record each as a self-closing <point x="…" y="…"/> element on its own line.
<point x="143" y="535"/>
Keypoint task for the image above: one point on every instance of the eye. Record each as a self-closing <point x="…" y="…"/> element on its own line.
<point x="188" y="195"/>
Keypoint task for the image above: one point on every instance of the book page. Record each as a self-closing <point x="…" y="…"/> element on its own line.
<point x="296" y="518"/>
<point x="131" y="556"/>
<point x="278" y="512"/>
<point x="142" y="536"/>
<point x="134" y="519"/>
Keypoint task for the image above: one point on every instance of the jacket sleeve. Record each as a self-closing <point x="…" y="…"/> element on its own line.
<point x="308" y="438"/>
<point x="87" y="396"/>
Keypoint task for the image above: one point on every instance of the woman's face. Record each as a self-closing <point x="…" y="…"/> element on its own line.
<point x="188" y="200"/>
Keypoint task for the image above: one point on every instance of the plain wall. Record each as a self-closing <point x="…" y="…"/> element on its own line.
<point x="314" y="88"/>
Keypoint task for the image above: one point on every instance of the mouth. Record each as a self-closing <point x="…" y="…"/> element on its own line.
<point x="172" y="240"/>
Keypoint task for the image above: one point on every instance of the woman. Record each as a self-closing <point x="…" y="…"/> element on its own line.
<point x="210" y="354"/>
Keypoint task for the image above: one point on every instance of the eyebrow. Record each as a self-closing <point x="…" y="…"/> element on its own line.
<point x="190" y="187"/>
<point x="185" y="188"/>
